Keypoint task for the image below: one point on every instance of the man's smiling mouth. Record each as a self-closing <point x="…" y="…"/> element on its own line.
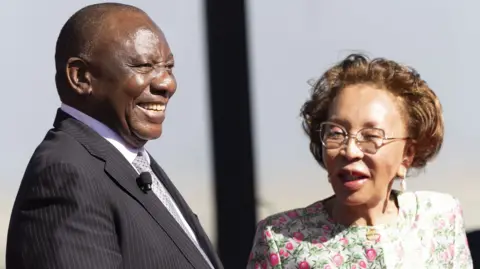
<point x="152" y="107"/>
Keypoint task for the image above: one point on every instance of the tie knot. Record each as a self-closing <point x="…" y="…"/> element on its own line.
<point x="141" y="163"/>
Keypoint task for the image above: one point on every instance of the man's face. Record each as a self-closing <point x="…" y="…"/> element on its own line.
<point x="132" y="79"/>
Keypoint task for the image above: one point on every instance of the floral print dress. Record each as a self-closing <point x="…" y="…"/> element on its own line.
<point x="429" y="233"/>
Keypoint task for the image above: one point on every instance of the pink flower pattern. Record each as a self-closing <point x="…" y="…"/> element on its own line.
<point x="430" y="233"/>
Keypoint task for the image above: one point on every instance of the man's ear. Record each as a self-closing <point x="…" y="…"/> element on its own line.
<point x="78" y="76"/>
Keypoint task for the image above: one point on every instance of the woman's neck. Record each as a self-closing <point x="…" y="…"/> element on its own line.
<point x="383" y="212"/>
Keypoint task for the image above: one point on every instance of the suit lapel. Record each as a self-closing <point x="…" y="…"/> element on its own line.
<point x="191" y="218"/>
<point x="124" y="175"/>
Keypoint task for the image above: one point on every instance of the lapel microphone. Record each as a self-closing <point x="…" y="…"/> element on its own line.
<point x="144" y="181"/>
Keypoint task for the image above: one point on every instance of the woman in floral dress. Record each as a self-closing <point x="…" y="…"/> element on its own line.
<point x="369" y="121"/>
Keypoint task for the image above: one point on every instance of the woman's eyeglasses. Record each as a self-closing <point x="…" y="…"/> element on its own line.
<point x="368" y="140"/>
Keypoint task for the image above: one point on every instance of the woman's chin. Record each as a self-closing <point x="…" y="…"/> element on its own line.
<point x="351" y="199"/>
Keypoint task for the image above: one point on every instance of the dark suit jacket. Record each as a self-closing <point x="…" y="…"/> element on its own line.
<point x="79" y="206"/>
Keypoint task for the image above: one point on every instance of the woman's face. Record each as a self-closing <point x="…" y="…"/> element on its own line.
<point x="359" y="177"/>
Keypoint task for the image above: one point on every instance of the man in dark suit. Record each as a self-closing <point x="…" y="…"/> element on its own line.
<point x="79" y="204"/>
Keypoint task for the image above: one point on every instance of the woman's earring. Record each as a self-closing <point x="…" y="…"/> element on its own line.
<point x="403" y="183"/>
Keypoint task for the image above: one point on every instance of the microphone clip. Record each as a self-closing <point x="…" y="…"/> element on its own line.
<point x="144" y="181"/>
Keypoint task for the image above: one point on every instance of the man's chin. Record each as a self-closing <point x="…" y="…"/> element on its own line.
<point x="145" y="135"/>
<point x="137" y="133"/>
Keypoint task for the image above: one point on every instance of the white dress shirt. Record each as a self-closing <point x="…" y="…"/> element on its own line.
<point x="128" y="152"/>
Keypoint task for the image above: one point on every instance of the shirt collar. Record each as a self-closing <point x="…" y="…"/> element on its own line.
<point x="128" y="152"/>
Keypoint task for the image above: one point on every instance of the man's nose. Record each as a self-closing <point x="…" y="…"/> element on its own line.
<point x="351" y="149"/>
<point x="164" y="80"/>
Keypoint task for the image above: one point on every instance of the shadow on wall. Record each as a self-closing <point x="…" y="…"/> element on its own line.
<point x="473" y="238"/>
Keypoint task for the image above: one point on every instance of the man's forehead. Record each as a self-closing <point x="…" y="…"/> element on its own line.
<point x="147" y="34"/>
<point x="145" y="41"/>
<point x="137" y="32"/>
<point x="128" y="24"/>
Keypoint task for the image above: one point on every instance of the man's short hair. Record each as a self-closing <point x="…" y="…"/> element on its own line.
<point x="80" y="34"/>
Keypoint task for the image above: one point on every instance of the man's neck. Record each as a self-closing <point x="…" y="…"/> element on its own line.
<point x="103" y="130"/>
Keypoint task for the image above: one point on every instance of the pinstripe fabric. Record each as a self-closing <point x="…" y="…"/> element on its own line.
<point x="78" y="206"/>
<point x="142" y="165"/>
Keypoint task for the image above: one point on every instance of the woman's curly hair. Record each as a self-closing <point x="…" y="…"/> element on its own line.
<point x="421" y="107"/>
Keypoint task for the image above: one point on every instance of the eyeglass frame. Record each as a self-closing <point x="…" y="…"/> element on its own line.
<point x="348" y="136"/>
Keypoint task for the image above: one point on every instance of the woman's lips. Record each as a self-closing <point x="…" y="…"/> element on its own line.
<point x="353" y="180"/>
